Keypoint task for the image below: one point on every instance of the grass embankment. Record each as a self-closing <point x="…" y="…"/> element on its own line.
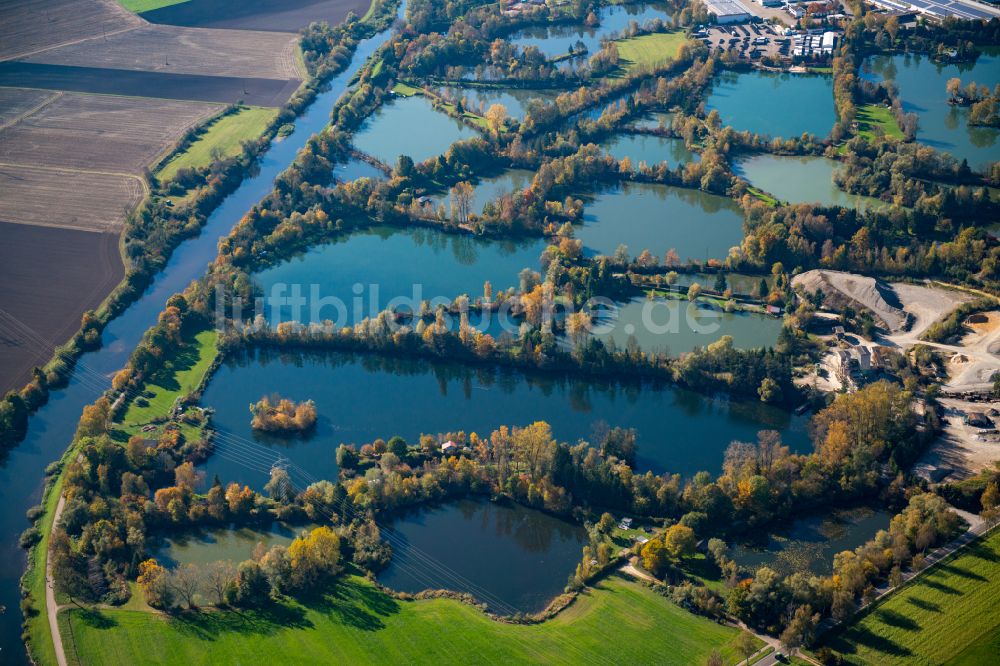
<point x="139" y="6"/>
<point x="870" y="116"/>
<point x="947" y="615"/>
<point x="353" y="623"/>
<point x="179" y="376"/>
<point x="221" y="138"/>
<point x="649" y="50"/>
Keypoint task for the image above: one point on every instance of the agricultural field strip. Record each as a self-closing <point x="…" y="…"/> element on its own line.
<point x="175" y="50"/>
<point x="85" y="201"/>
<point x="16" y="104"/>
<point x="100" y="133"/>
<point x="65" y="22"/>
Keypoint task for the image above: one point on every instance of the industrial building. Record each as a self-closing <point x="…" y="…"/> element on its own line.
<point x="967" y="10"/>
<point x="727" y="11"/>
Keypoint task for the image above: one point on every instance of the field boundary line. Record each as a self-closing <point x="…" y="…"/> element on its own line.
<point x="41" y="105"/>
<point x="72" y="42"/>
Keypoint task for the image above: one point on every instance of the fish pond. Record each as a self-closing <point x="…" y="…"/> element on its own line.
<point x="222" y="544"/>
<point x="922" y="90"/>
<point x="489" y="189"/>
<point x="362" y="397"/>
<point x="512" y="558"/>
<point x="480" y="98"/>
<point x="677" y="326"/>
<point x="799" y="180"/>
<point x="654" y="217"/>
<point x="650" y="149"/>
<point x="810" y="543"/>
<point x="366" y="271"/>
<point x="561" y="38"/>
<point x="774" y="104"/>
<point x="409" y="126"/>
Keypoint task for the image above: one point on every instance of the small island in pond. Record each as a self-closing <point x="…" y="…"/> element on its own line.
<point x="280" y="415"/>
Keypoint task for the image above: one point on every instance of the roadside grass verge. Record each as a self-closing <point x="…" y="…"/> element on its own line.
<point x="352" y="622"/>
<point x="179" y="376"/>
<point x="948" y="612"/>
<point x="649" y="50"/>
<point x="220" y="139"/>
<point x="870" y="116"/>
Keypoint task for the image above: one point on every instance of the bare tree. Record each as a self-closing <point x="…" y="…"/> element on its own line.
<point x="185" y="581"/>
<point x="218" y="577"/>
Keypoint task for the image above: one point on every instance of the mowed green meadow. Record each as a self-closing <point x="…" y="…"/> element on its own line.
<point x="946" y="616"/>
<point x="619" y="621"/>
<point x="649" y="50"/>
<point x="870" y="116"/>
<point x="139" y="6"/>
<point x="223" y="137"/>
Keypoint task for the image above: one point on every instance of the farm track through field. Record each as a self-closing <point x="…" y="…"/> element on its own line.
<point x="41" y="105"/>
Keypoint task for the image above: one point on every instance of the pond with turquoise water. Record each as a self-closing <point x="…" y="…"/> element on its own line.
<point x="409" y="126"/>
<point x="675" y="326"/>
<point x="560" y="38"/>
<point x="366" y="271"/>
<point x="515" y="100"/>
<point x="642" y="216"/>
<point x="650" y="149"/>
<point x="922" y="90"/>
<point x="799" y="180"/>
<point x="774" y="104"/>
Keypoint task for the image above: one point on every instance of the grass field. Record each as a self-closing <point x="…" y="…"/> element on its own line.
<point x="870" y="116"/>
<point x="352" y="623"/>
<point x="947" y="615"/>
<point x="224" y="135"/>
<point x="649" y="50"/>
<point x="139" y="6"/>
<point x="180" y="376"/>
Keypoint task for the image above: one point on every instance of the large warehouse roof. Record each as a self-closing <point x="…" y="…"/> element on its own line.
<point x="726" y="7"/>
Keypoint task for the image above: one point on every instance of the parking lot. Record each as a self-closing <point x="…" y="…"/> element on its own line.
<point x="748" y="40"/>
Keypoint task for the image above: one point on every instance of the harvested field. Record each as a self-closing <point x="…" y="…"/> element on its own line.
<point x="77" y="200"/>
<point x="28" y="26"/>
<point x="50" y="278"/>
<point x="100" y="133"/>
<point x="225" y="89"/>
<point x="174" y="50"/>
<point x="290" y="16"/>
<point x="17" y="102"/>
